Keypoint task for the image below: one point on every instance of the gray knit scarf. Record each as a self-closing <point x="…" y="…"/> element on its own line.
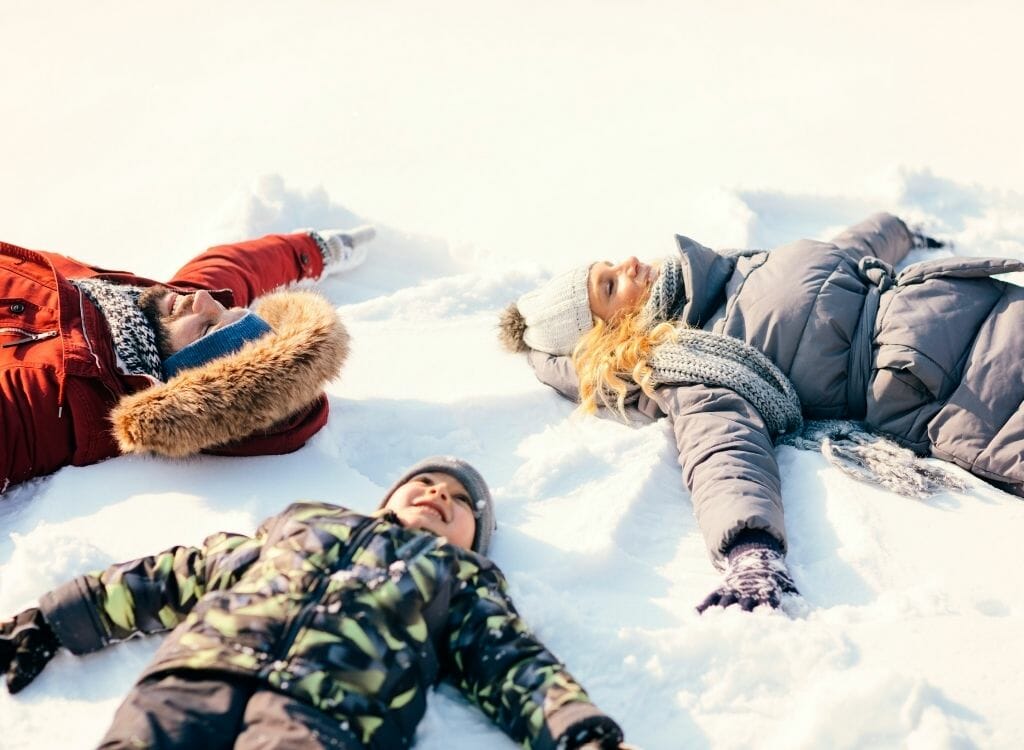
<point x="134" y="339"/>
<point x="698" y="356"/>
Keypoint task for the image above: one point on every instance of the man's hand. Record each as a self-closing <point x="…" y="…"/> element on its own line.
<point x="344" y="249"/>
<point x="27" y="643"/>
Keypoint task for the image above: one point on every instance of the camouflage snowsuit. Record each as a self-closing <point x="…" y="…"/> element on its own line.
<point x="352" y="614"/>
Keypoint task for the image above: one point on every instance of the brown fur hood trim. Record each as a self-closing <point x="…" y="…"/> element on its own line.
<point x="232" y="397"/>
<point x="512" y="328"/>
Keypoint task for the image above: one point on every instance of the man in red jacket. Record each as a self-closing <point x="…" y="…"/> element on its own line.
<point x="95" y="363"/>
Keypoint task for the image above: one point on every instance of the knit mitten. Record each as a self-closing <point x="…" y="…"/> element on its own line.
<point x="756" y="574"/>
<point x="27" y="643"/>
<point x="343" y="249"/>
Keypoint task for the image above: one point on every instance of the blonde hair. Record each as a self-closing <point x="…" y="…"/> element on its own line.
<point x="612" y="351"/>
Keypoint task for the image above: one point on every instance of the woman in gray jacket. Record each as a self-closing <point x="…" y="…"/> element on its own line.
<point x="738" y="348"/>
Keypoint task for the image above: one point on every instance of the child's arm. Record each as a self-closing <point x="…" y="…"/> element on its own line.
<point x="148" y="595"/>
<point x="499" y="665"/>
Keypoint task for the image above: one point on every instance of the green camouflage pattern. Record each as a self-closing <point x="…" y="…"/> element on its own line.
<point x="350" y="613"/>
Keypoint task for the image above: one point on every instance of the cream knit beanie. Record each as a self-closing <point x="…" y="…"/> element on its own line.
<point x="557" y="313"/>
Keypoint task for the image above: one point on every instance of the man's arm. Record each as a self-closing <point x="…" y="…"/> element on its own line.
<point x="254" y="267"/>
<point x="500" y="666"/>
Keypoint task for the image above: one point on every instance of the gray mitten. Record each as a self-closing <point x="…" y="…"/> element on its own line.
<point x="755" y="575"/>
<point x="343" y="249"/>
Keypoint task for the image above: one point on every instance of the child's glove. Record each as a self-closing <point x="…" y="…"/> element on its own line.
<point x="756" y="575"/>
<point x="27" y="643"/>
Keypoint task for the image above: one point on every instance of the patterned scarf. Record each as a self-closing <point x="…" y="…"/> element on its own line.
<point x="134" y="339"/>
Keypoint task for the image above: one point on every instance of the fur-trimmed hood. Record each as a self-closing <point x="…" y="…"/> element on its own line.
<point x="266" y="381"/>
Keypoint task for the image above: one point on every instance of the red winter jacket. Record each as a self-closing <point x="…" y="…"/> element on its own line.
<point x="58" y="377"/>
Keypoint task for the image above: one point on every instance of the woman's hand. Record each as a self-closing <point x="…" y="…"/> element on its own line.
<point x="756" y="576"/>
<point x="27" y="643"/>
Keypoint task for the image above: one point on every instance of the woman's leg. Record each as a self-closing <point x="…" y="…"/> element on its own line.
<point x="273" y="721"/>
<point x="179" y="711"/>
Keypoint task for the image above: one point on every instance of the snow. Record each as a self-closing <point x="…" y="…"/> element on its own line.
<point x="493" y="146"/>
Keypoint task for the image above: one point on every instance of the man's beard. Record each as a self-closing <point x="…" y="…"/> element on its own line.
<point x="149" y="303"/>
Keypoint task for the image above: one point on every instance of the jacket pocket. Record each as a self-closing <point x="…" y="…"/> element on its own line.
<point x="11" y="337"/>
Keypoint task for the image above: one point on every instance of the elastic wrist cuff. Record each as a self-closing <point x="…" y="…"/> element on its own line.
<point x="752" y="539"/>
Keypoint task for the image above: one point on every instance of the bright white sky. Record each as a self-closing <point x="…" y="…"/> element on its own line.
<point x="528" y="129"/>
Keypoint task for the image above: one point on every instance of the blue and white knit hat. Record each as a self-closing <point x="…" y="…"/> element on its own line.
<point x="557" y="313"/>
<point x="220" y="343"/>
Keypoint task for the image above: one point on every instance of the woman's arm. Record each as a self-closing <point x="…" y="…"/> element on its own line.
<point x="556" y="372"/>
<point x="728" y="463"/>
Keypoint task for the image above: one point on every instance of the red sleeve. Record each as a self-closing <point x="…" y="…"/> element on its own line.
<point x="253" y="267"/>
<point x="284" y="437"/>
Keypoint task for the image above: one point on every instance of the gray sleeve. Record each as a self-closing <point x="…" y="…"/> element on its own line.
<point x="559" y="373"/>
<point x="556" y="372"/>
<point x="728" y="462"/>
<point x="881" y="235"/>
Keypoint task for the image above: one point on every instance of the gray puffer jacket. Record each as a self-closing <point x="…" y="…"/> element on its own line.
<point x="931" y="357"/>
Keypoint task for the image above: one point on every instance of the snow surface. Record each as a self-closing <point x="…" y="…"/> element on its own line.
<point x="492" y="146"/>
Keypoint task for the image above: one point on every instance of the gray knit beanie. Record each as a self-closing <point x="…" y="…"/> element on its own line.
<point x="557" y="313"/>
<point x="483" y="505"/>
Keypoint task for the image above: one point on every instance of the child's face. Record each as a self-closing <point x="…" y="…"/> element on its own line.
<point x="436" y="502"/>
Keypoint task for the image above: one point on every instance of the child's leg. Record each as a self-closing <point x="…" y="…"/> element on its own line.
<point x="273" y="721"/>
<point x="175" y="711"/>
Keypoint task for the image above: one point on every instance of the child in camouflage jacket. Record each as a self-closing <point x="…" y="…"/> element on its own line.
<point x="323" y="630"/>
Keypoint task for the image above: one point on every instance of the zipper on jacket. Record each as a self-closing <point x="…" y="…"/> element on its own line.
<point x="362" y="531"/>
<point x="27" y="337"/>
<point x="85" y="333"/>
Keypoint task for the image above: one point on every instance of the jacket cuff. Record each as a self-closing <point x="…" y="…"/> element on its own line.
<point x="752" y="539"/>
<point x="70" y="611"/>
<point x="576" y="723"/>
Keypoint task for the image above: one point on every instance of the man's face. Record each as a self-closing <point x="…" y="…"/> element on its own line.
<point x="180" y="319"/>
<point x="436" y="502"/>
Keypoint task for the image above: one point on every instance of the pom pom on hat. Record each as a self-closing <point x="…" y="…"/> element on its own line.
<point x="220" y="343"/>
<point x="556" y="314"/>
<point x="512" y="329"/>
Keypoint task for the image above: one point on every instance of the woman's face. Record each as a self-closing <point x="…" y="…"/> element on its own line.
<point x="613" y="289"/>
